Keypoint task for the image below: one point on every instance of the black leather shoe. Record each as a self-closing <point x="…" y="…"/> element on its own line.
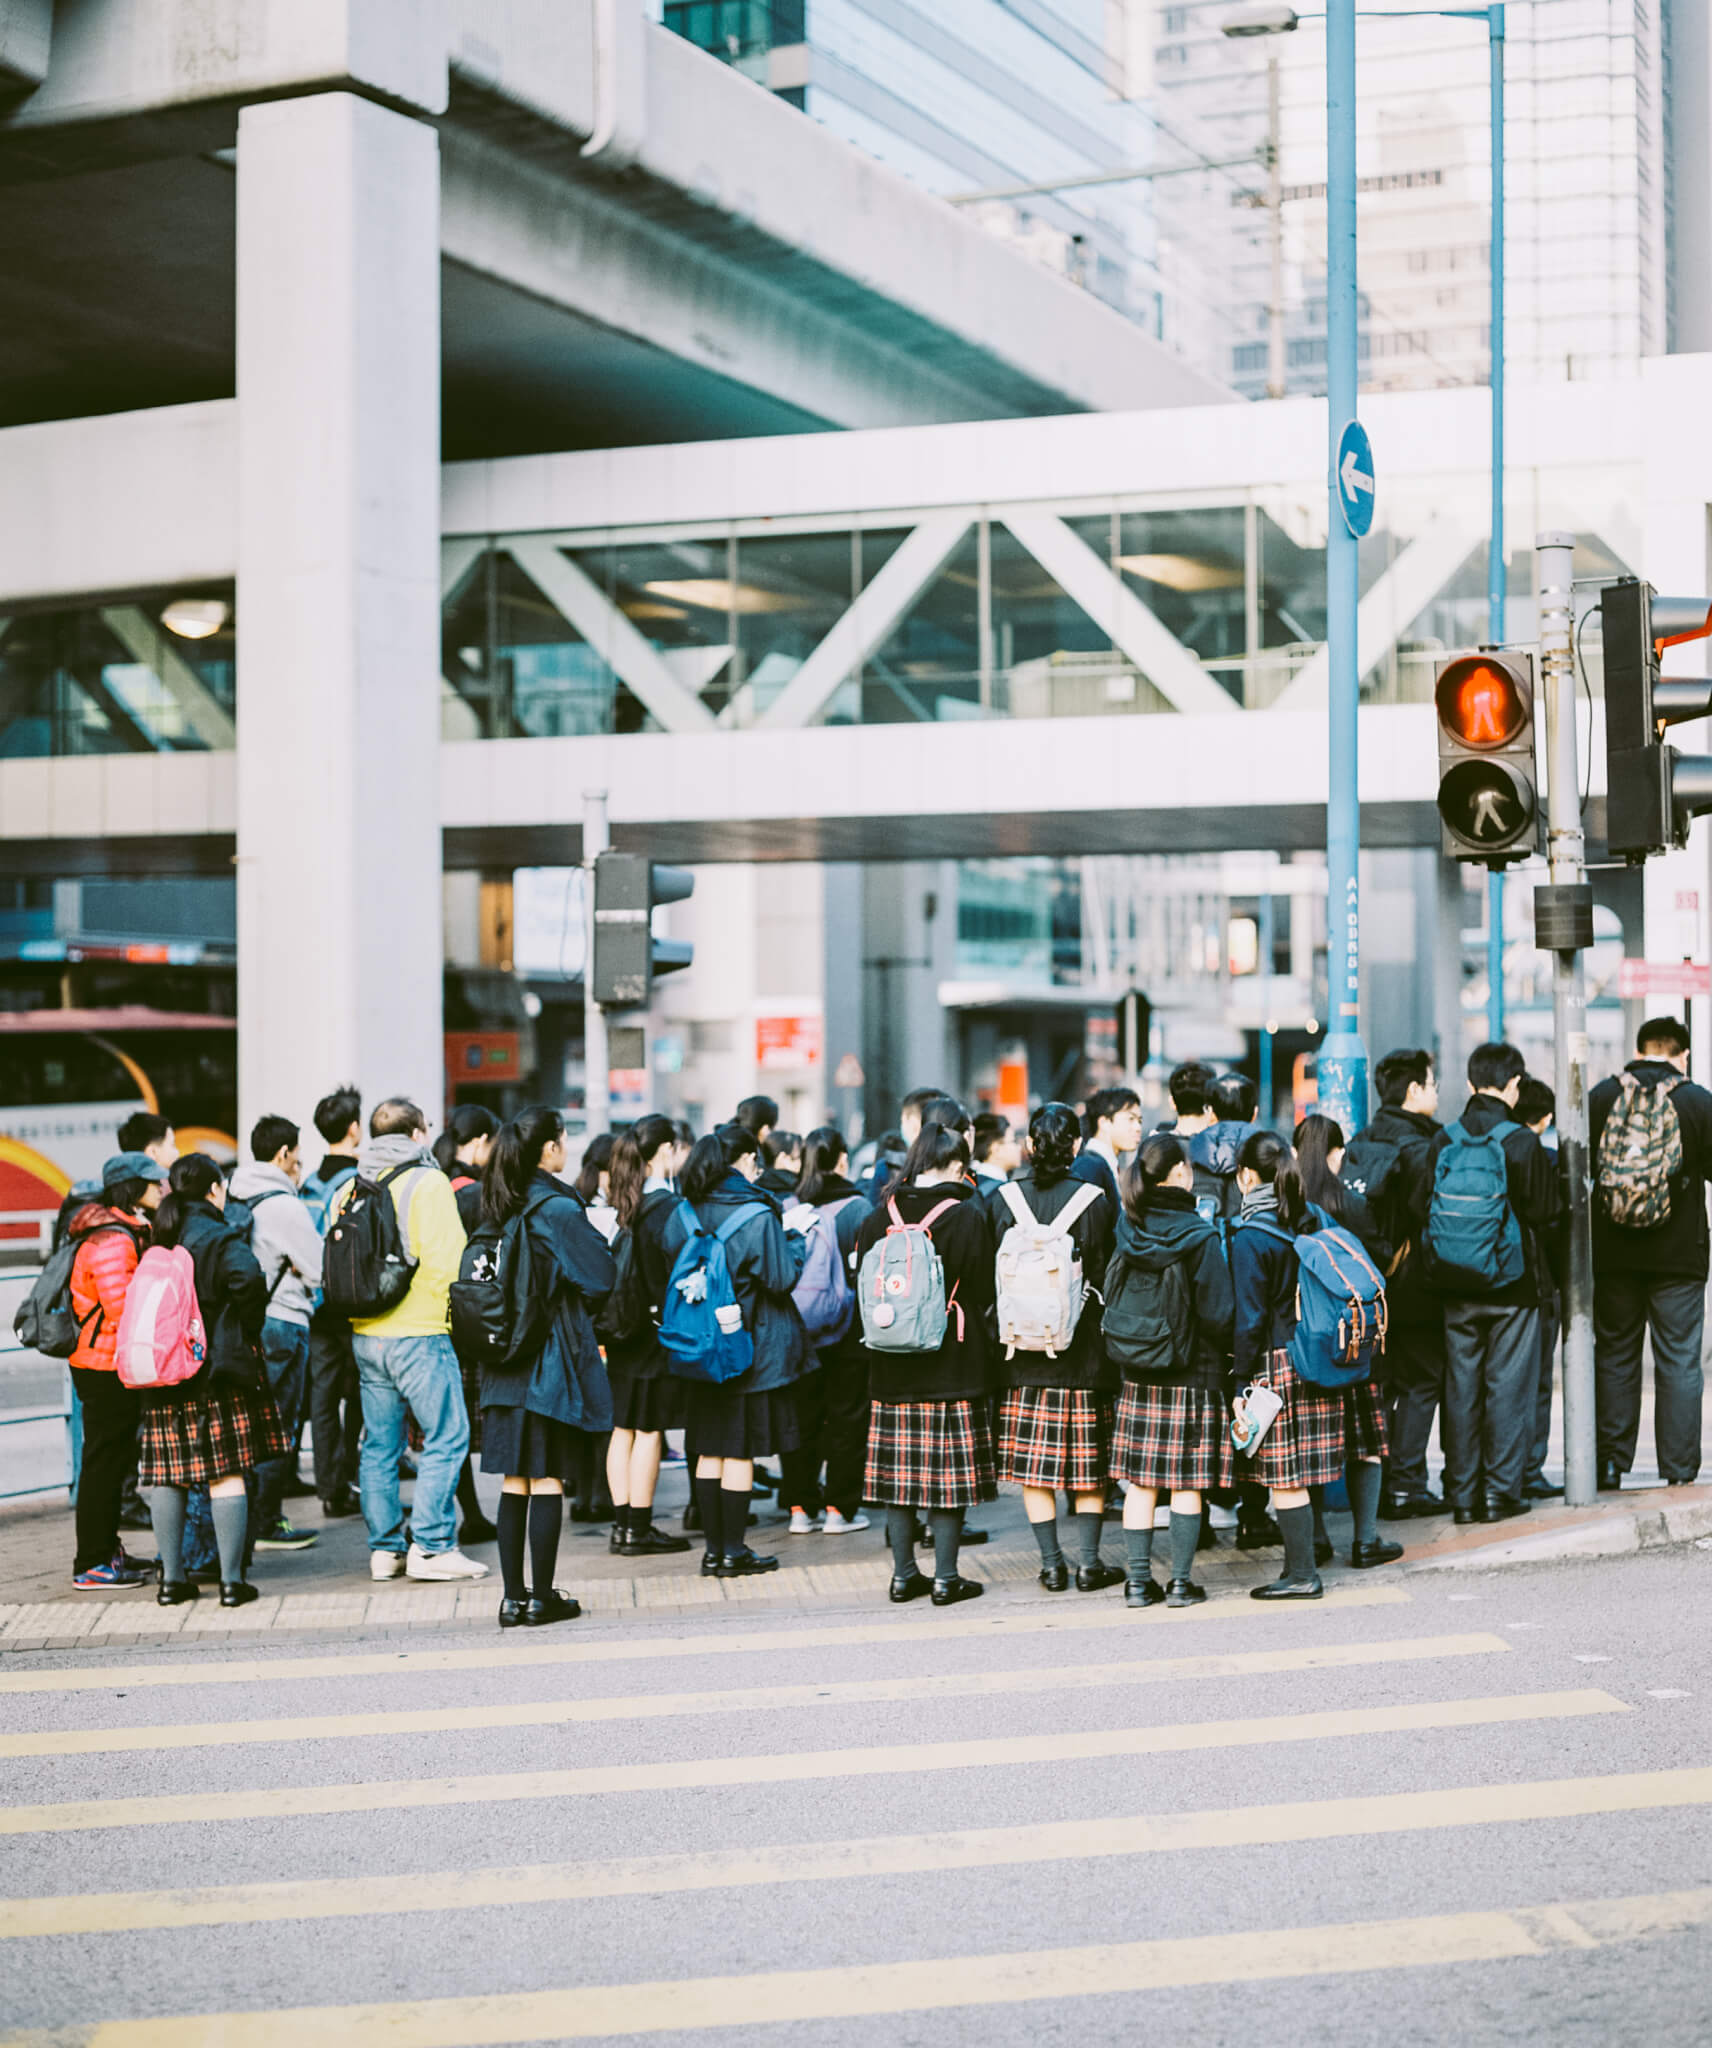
<point x="1496" y="1507"/>
<point x="911" y="1588"/>
<point x="710" y="1562"/>
<point x="1055" y="1577"/>
<point x="973" y="1537"/>
<point x="1258" y="1535"/>
<point x="652" y="1542"/>
<point x="1610" y="1479"/>
<point x="1541" y="1489"/>
<point x="341" y="1505"/>
<point x="1288" y="1589"/>
<point x="615" y="1542"/>
<point x="744" y="1564"/>
<point x="172" y="1592"/>
<point x="1463" y="1516"/>
<point x="1393" y="1509"/>
<point x="1323" y="1551"/>
<point x="476" y="1529"/>
<point x="947" y="1592"/>
<point x="1422" y="1506"/>
<point x="237" y="1593"/>
<point x="1184" y="1593"/>
<point x="511" y="1613"/>
<point x="1095" y="1578"/>
<point x="1144" y="1593"/>
<point x="1364" y="1556"/>
<point x="546" y="1608"/>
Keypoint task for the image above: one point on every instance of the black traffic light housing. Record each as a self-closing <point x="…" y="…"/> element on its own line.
<point x="1652" y="791"/>
<point x="1488" y="793"/>
<point x="627" y="956"/>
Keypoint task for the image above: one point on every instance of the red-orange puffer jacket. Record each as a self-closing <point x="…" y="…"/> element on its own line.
<point x="100" y="1280"/>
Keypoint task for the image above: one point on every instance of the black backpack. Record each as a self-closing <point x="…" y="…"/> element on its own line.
<point x="366" y="1269"/>
<point x="47" y="1319"/>
<point x="502" y="1300"/>
<point x="1149" y="1322"/>
<point x="1370" y="1170"/>
<point x="628" y="1315"/>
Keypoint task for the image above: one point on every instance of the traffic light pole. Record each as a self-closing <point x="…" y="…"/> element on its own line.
<point x="1566" y="850"/>
<point x="1496" y="564"/>
<point x="597" y="1111"/>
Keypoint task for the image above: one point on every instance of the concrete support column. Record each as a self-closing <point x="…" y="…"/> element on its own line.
<point x="339" y="910"/>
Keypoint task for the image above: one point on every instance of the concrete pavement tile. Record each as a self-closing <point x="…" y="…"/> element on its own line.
<point x="148" y="1619"/>
<point x="208" y="1615"/>
<point x="64" y="1620"/>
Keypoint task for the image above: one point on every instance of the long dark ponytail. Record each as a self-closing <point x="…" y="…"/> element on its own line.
<point x="470" y="1120"/>
<point x="1265" y="1153"/>
<point x="822" y="1150"/>
<point x="1146" y="1174"/>
<point x="193" y="1178"/>
<point x="515" y="1160"/>
<point x="1317" y="1137"/>
<point x="712" y="1158"/>
<point x="627" y="1175"/>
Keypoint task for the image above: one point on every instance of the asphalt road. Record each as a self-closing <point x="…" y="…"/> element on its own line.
<point x="1434" y="1809"/>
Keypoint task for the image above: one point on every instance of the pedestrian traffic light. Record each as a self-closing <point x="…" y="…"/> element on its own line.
<point x="1651" y="791"/>
<point x="628" y="887"/>
<point x="1488" y="803"/>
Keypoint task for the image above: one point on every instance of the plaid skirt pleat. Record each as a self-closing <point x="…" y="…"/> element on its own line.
<point x="1317" y="1430"/>
<point x="1172" y="1437"/>
<point x="929" y="1454"/>
<point x="1055" y="1438"/>
<point x="197" y="1438"/>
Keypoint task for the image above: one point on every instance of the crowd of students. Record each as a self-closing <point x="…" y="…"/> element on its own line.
<point x="1091" y="1313"/>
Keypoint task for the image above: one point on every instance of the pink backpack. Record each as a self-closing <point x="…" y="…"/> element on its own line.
<point x="161" y="1339"/>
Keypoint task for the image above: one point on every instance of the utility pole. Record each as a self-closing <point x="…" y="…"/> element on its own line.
<point x="1563" y="925"/>
<point x="597" y="1107"/>
<point x="1275" y="214"/>
<point x="1496" y="563"/>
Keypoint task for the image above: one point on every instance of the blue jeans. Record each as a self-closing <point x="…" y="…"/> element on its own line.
<point x="285" y="1355"/>
<point x="421" y="1374"/>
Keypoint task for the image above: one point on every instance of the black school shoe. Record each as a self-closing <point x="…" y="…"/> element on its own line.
<point x="947" y="1592"/>
<point x="237" y="1593"/>
<point x="172" y="1592"/>
<point x="1364" y="1556"/>
<point x="1288" y="1589"/>
<point x="1095" y="1578"/>
<point x="511" y="1613"/>
<point x="1184" y="1593"/>
<point x="1146" y="1592"/>
<point x="1543" y="1489"/>
<point x="1055" y="1577"/>
<point x="911" y="1588"/>
<point x="1610" y="1476"/>
<point x="1497" y="1507"/>
<point x="651" y="1542"/>
<point x="546" y="1608"/>
<point x="743" y="1564"/>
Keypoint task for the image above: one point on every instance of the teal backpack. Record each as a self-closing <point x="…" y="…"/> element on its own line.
<point x="692" y="1334"/>
<point x="1472" y="1241"/>
<point x="901" y="1287"/>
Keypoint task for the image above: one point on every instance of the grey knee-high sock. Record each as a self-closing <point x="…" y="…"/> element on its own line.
<point x="1363" y="1479"/>
<point x="166" y="1510"/>
<point x="1185" y="1534"/>
<point x="900" y="1534"/>
<point x="231" y="1512"/>
<point x="1139" y="1544"/>
<point x="947" y="1539"/>
<point x="1297" y="1528"/>
<point x="1046" y="1538"/>
<point x="1087" y="1539"/>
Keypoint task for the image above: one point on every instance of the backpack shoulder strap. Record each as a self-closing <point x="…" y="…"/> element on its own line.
<point x="933" y="1215"/>
<point x="1011" y="1195"/>
<point x="898" y="1222"/>
<point x="728" y="1228"/>
<point x="1082" y="1200"/>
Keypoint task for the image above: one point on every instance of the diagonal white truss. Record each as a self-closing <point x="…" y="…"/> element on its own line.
<point x="144" y="641"/>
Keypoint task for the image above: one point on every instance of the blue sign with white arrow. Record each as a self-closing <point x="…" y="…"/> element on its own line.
<point x="1355" y="490"/>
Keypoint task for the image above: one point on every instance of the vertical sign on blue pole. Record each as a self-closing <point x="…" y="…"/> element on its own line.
<point x="1497" y="570"/>
<point x="1350" y="486"/>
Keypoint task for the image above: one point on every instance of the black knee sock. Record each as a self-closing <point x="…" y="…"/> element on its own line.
<point x="1185" y="1534"/>
<point x="734" y="1506"/>
<point x="231" y="1513"/>
<point x="708" y="1493"/>
<point x="513" y="1521"/>
<point x="546" y="1519"/>
<point x="1363" y="1478"/>
<point x="1046" y="1536"/>
<point x="900" y="1534"/>
<point x="1139" y="1545"/>
<point x="1087" y="1538"/>
<point x="947" y="1539"/>
<point x="1297" y="1526"/>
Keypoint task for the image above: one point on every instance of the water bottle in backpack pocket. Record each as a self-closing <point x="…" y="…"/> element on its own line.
<point x="1472" y="1241"/>
<point x="1340" y="1309"/>
<point x="162" y="1342"/>
<point x="701" y="1323"/>
<point x="1149" y="1321"/>
<point x="501" y="1304"/>
<point x="901" y="1287"/>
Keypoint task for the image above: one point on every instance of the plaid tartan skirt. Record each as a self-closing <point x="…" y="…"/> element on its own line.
<point x="929" y="1454"/>
<point x="1318" y="1429"/>
<point x="1055" y="1437"/>
<point x="195" y="1439"/>
<point x="1172" y="1437"/>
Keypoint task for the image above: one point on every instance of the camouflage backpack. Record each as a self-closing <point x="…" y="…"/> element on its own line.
<point x="1640" y="1153"/>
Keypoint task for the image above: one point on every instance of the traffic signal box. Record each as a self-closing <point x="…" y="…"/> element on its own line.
<point x="1488" y="794"/>
<point x="627" y="956"/>
<point x="1652" y="791"/>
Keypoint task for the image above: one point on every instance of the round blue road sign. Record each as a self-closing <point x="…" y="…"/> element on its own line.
<point x="1354" y="479"/>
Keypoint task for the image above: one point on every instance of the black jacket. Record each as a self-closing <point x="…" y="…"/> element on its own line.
<point x="1398" y="1196"/>
<point x="1677" y="1248"/>
<point x="232" y="1295"/>
<point x="1085" y="1364"/>
<point x="766" y="1263"/>
<point x="962" y="1367"/>
<point x="567" y="1380"/>
<point x="776" y="1180"/>
<point x="1536" y="1196"/>
<point x="1212" y="1159"/>
<point x="1171" y="1229"/>
<point x="640" y="1357"/>
<point x="1092" y="1168"/>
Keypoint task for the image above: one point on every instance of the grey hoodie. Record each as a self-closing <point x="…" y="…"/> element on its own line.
<point x="285" y="1241"/>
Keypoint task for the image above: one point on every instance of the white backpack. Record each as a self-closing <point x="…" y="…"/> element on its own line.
<point x="1040" y="1282"/>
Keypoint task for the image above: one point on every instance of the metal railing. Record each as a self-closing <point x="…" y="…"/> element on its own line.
<point x="69" y="1412"/>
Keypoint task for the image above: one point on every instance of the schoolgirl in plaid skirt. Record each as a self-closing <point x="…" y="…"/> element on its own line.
<point x="1055" y="1421"/>
<point x="1171" y="1435"/>
<point x="930" y="1444"/>
<point x="1319" y="1432"/>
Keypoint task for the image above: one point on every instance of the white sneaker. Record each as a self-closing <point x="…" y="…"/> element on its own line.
<point x="443" y="1564"/>
<point x="385" y="1564"/>
<point x="836" y="1525"/>
<point x="803" y="1523"/>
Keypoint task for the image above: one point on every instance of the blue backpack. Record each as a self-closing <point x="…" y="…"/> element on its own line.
<point x="1340" y="1309"/>
<point x="318" y="1196"/>
<point x="1472" y="1241"/>
<point x="695" y="1345"/>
